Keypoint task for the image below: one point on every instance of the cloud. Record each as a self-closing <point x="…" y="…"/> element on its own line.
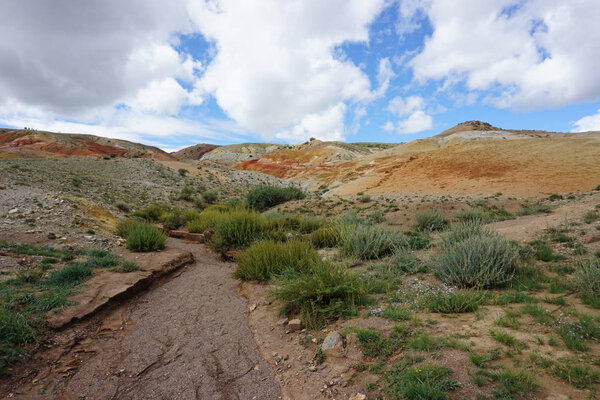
<point x="589" y="123"/>
<point x="413" y="108"/>
<point x="275" y="70"/>
<point x="531" y="55"/>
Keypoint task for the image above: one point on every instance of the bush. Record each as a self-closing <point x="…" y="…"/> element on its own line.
<point x="587" y="281"/>
<point x="376" y="217"/>
<point x="264" y="197"/>
<point x="210" y="196"/>
<point x="239" y="229"/>
<point x="173" y="221"/>
<point x="328" y="236"/>
<point x="460" y="301"/>
<point x="125" y="226"/>
<point x="481" y="261"/>
<point x="267" y="259"/>
<point x="464" y="230"/>
<point x="428" y="381"/>
<point x="144" y="237"/>
<point x="208" y="219"/>
<point x="182" y="171"/>
<point x="405" y="261"/>
<point x="151" y="213"/>
<point x="326" y="292"/>
<point x="370" y="242"/>
<point x="430" y="220"/>
<point x="69" y="275"/>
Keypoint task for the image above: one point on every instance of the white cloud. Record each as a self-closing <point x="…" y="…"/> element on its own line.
<point x="589" y="123"/>
<point x="417" y="119"/>
<point x="162" y="97"/>
<point x="275" y="71"/>
<point x="532" y="55"/>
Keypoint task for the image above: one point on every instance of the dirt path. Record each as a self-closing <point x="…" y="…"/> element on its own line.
<point x="186" y="339"/>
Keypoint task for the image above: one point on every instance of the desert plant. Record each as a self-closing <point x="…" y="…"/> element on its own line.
<point x="210" y="196"/>
<point x="459" y="301"/>
<point x="328" y="291"/>
<point x="264" y="197"/>
<point x="480" y="261"/>
<point x="182" y="171"/>
<point x="376" y="217"/>
<point x="473" y="215"/>
<point x="404" y="260"/>
<point x="69" y="275"/>
<point x="429" y="381"/>
<point x="328" y="236"/>
<point x="208" y="219"/>
<point x="174" y="220"/>
<point x="430" y="220"/>
<point x="370" y="242"/>
<point x="144" y="237"/>
<point x="587" y="281"/>
<point x="151" y="213"/>
<point x="239" y="229"/>
<point x="266" y="259"/>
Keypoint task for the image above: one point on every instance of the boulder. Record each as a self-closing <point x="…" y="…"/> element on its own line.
<point x="333" y="345"/>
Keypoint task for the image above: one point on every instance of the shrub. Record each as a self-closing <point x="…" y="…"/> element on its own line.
<point x="144" y="237"/>
<point x="16" y="328"/>
<point x="464" y="230"/>
<point x="370" y="242"/>
<point x="208" y="219"/>
<point x="173" y="221"/>
<point x="479" y="261"/>
<point x="509" y="384"/>
<point x="430" y="220"/>
<point x="395" y="313"/>
<point x="328" y="236"/>
<point x="365" y="198"/>
<point x="403" y="260"/>
<point x="535" y="209"/>
<point x="577" y="374"/>
<point x="418" y="240"/>
<point x="264" y="197"/>
<point x="460" y="301"/>
<point x="239" y="228"/>
<point x="69" y="275"/>
<point x="182" y="171"/>
<point x="126" y="266"/>
<point x="267" y="259"/>
<point x="122" y="206"/>
<point x="587" y="281"/>
<point x="151" y="213"/>
<point x="326" y="292"/>
<point x="376" y="217"/>
<point x="373" y="343"/>
<point x="210" y="196"/>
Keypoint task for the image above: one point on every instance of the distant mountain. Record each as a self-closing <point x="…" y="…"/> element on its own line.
<point x="194" y="152"/>
<point x="25" y="143"/>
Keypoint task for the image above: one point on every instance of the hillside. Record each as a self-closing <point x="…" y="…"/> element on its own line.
<point x="194" y="152"/>
<point x="17" y="143"/>
<point x="471" y="158"/>
<point x="235" y="153"/>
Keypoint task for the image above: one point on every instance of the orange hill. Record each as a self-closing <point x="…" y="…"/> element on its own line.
<point x="40" y="144"/>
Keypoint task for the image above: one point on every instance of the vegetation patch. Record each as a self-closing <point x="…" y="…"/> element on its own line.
<point x="262" y="198"/>
<point x="458" y="301"/>
<point x="429" y="381"/>
<point x="430" y="220"/>
<point x="368" y="242"/>
<point x="587" y="281"/>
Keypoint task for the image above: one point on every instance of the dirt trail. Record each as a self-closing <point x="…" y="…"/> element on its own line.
<point x="185" y="339"/>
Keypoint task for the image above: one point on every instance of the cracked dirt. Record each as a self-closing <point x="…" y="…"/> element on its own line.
<point x="187" y="338"/>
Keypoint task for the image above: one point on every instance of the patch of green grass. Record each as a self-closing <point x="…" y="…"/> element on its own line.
<point x="507" y="339"/>
<point x="396" y="313"/>
<point x="328" y="236"/>
<point x="528" y="278"/>
<point x="474" y="215"/>
<point x="575" y="334"/>
<point x="587" y="282"/>
<point x="510" y="319"/>
<point x="425" y="342"/>
<point x="69" y="275"/>
<point x="405" y="261"/>
<point x="591" y="216"/>
<point x="576" y="373"/>
<point x="429" y="381"/>
<point x="543" y="252"/>
<point x="125" y="266"/>
<point x="373" y="343"/>
<point x="368" y="242"/>
<point x="418" y="240"/>
<point x="458" y="301"/>
<point x="481" y="359"/>
<point x="539" y="313"/>
<point x="326" y="292"/>
<point x="430" y="220"/>
<point x="535" y="209"/>
<point x="514" y="296"/>
<point x="152" y="213"/>
<point x="266" y="259"/>
<point x="511" y="384"/>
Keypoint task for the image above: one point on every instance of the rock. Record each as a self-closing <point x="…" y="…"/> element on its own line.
<point x="358" y="396"/>
<point x="557" y="397"/>
<point x="13" y="211"/>
<point x="312" y="368"/>
<point x="283" y="321"/>
<point x="295" y="325"/>
<point x="51" y="236"/>
<point x="333" y="345"/>
<point x="353" y="349"/>
<point x="252" y="307"/>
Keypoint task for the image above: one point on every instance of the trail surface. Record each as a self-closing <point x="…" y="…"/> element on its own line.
<point x="186" y="339"/>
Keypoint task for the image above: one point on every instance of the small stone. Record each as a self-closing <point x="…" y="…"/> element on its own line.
<point x="51" y="236"/>
<point x="358" y="396"/>
<point x="312" y="368"/>
<point x="295" y="324"/>
<point x="333" y="345"/>
<point x="557" y="397"/>
<point x="283" y="321"/>
<point x="274" y="354"/>
<point x="13" y="211"/>
<point x="252" y="307"/>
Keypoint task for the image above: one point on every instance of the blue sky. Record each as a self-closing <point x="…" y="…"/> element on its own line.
<point x="231" y="71"/>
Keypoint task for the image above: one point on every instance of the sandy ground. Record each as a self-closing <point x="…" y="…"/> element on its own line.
<point x="186" y="339"/>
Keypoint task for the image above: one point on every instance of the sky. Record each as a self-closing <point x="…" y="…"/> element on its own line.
<point x="180" y="72"/>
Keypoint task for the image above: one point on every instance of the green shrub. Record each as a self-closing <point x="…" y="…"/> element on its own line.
<point x="182" y="171"/>
<point x="430" y="220"/>
<point x="17" y="328"/>
<point x="465" y="230"/>
<point x="509" y="384"/>
<point x="373" y="343"/>
<point x="365" y="198"/>
<point x="328" y="235"/>
<point x="404" y="260"/>
<point x="577" y="374"/>
<point x="418" y="240"/>
<point x="264" y="197"/>
<point x="376" y="217"/>
<point x="326" y="292"/>
<point x="69" y="275"/>
<point x="543" y="252"/>
<point x="239" y="229"/>
<point x="535" y="209"/>
<point x="266" y="259"/>
<point x="587" y="281"/>
<point x="173" y="220"/>
<point x="370" y="242"/>
<point x="145" y="237"/>
<point x="124" y="227"/>
<point x="591" y="216"/>
<point x="208" y="219"/>
<point x="459" y="301"/>
<point x="126" y="266"/>
<point x="210" y="196"/>
<point x="395" y="313"/>
<point x="152" y="213"/>
<point x="479" y="261"/>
